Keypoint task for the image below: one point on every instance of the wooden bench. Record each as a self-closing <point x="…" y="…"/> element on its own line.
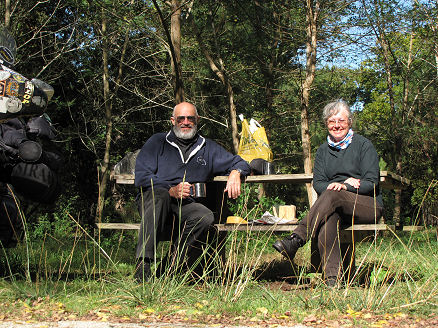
<point x="388" y="180"/>
<point x="348" y="235"/>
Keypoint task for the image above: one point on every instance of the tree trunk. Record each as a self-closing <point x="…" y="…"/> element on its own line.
<point x="397" y="197"/>
<point x="397" y="138"/>
<point x="175" y="54"/>
<point x="222" y="75"/>
<point x="233" y="113"/>
<point x="434" y="27"/>
<point x="7" y="13"/>
<point x="312" y="9"/>
<point x="104" y="171"/>
<point x="175" y="36"/>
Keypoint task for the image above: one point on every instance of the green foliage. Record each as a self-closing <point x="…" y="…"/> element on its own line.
<point x="250" y="205"/>
<point x="58" y="224"/>
<point x="382" y="164"/>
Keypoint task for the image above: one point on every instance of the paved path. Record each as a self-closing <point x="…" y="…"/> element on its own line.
<point x="99" y="324"/>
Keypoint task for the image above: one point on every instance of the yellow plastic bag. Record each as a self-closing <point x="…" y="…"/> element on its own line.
<point x="254" y="142"/>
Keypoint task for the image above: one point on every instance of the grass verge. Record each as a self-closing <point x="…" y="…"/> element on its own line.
<point x="70" y="279"/>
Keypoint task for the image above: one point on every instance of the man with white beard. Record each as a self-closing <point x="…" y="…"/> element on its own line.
<point x="166" y="167"/>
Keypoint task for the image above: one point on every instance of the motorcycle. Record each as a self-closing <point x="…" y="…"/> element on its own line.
<point x="27" y="168"/>
<point x="19" y="96"/>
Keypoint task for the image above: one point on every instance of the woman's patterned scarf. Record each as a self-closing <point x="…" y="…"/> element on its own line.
<point x="344" y="143"/>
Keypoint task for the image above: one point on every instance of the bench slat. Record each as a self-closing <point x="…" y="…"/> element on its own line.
<point x="124" y="226"/>
<point x="267" y="227"/>
<point x="256" y="227"/>
<point x="388" y="180"/>
<point x="292" y="227"/>
<point x="274" y="178"/>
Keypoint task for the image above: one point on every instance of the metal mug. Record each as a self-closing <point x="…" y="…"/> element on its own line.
<point x="268" y="168"/>
<point x="198" y="190"/>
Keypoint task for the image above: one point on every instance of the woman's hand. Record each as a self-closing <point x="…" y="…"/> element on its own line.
<point x="336" y="186"/>
<point x="353" y="182"/>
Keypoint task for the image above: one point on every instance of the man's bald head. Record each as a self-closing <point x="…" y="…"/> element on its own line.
<point x="185" y="120"/>
<point x="184" y="105"/>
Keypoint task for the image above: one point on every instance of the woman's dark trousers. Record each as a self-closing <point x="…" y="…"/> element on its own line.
<point x="331" y="211"/>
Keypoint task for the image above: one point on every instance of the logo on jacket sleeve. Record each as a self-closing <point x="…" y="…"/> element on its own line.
<point x="201" y="161"/>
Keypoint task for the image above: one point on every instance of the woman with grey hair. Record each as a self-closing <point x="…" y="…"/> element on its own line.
<point x="346" y="179"/>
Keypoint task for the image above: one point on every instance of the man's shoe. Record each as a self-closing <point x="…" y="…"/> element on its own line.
<point x="288" y="247"/>
<point x="142" y="271"/>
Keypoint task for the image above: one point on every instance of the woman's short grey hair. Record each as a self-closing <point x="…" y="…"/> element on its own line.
<point x="335" y="107"/>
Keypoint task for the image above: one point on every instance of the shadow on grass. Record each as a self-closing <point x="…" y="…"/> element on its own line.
<point x="367" y="274"/>
<point x="277" y="270"/>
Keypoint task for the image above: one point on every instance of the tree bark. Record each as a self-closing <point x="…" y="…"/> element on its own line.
<point x="397" y="138"/>
<point x="105" y="78"/>
<point x="397" y="197"/>
<point x="175" y="36"/>
<point x="175" y="54"/>
<point x="222" y="75"/>
<point x="104" y="171"/>
<point x="397" y="144"/>
<point x="312" y="9"/>
<point x="7" y="13"/>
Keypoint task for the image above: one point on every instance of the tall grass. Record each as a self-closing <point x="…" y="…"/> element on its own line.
<point x="239" y="276"/>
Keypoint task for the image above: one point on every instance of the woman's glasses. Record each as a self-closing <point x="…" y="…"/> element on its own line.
<point x="332" y="122"/>
<point x="180" y="119"/>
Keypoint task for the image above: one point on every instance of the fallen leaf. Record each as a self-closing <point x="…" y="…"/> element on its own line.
<point x="379" y="324"/>
<point x="310" y="318"/>
<point x="149" y="310"/>
<point x="262" y="310"/>
<point x="283" y="317"/>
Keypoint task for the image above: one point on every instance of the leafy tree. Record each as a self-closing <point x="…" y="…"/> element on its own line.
<point x="394" y="84"/>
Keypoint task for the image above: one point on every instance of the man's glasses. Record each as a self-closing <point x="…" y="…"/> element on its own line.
<point x="191" y="119"/>
<point x="341" y="121"/>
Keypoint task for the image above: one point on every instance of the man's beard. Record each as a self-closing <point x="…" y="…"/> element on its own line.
<point x="185" y="135"/>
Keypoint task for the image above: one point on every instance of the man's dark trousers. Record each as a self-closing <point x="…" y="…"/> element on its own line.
<point x="185" y="222"/>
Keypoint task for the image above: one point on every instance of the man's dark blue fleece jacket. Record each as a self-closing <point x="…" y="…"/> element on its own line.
<point x="161" y="164"/>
